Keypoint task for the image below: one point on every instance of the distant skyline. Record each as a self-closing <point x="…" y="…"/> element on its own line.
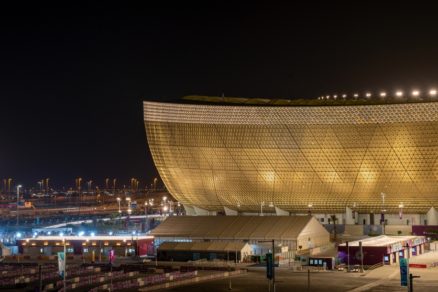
<point x="71" y="88"/>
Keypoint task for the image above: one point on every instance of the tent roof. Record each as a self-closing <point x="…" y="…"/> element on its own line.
<point x="203" y="246"/>
<point x="233" y="227"/>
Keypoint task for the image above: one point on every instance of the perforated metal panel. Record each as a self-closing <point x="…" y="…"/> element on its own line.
<point x="329" y="156"/>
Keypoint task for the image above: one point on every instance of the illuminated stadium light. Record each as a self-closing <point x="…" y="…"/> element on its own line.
<point x="399" y="93"/>
<point x="415" y="93"/>
<point x="382" y="94"/>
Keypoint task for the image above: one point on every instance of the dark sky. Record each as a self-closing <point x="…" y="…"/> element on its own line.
<point x="71" y="88"/>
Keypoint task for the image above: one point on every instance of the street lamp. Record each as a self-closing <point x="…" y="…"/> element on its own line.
<point x="261" y="208"/>
<point x="118" y="201"/>
<point x="382" y="216"/>
<point x="400" y="213"/>
<point x="18" y="198"/>
<point x="310" y="205"/>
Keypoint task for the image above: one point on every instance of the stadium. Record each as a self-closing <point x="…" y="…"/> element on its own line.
<point x="351" y="158"/>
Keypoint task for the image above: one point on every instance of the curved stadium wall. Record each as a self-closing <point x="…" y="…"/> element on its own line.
<point x="332" y="157"/>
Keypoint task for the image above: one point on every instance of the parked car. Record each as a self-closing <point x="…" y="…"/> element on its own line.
<point x="341" y="267"/>
<point x="356" y="269"/>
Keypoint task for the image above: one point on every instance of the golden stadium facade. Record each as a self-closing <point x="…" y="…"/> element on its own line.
<point x="293" y="157"/>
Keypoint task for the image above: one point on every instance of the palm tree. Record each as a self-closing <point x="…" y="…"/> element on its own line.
<point x="334" y="219"/>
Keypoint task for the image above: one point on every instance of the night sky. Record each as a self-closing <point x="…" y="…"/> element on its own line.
<point x="71" y="88"/>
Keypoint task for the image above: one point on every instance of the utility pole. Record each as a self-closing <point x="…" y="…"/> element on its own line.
<point x="411" y="282"/>
<point x="40" y="276"/>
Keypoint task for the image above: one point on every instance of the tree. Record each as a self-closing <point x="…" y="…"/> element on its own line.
<point x="334" y="219"/>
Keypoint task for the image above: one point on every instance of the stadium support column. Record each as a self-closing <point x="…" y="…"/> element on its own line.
<point x="349" y="218"/>
<point x="230" y="212"/>
<point x="432" y="216"/>
<point x="190" y="211"/>
<point x="281" y="212"/>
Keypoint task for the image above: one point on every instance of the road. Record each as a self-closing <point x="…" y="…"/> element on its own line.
<point x="385" y="279"/>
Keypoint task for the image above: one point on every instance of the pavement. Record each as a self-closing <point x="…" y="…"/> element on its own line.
<point x="386" y="278"/>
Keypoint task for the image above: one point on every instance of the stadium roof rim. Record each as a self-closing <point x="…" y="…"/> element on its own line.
<point x="297" y="102"/>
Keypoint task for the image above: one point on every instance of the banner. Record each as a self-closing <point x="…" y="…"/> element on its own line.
<point x="61" y="264"/>
<point x="112" y="256"/>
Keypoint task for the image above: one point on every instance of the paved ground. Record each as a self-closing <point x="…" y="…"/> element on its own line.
<point x="382" y="279"/>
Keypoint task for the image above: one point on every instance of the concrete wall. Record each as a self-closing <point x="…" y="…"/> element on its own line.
<point x="394" y="229"/>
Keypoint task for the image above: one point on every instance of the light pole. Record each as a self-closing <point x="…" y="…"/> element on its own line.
<point x="382" y="219"/>
<point x="155" y="184"/>
<point x="118" y="201"/>
<point x="128" y="199"/>
<point x="47" y="185"/>
<point x="18" y="198"/>
<point x="9" y="184"/>
<point x="400" y="213"/>
<point x="41" y="185"/>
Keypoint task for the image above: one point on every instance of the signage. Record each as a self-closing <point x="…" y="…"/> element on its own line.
<point x="404" y="272"/>
<point x="111" y="256"/>
<point x="269" y="266"/>
<point x="61" y="264"/>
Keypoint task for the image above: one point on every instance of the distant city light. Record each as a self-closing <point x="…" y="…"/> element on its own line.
<point x="335" y="96"/>
<point x="18" y="235"/>
<point x="432" y="92"/>
<point x="92" y="234"/>
<point x="382" y="94"/>
<point x="399" y="93"/>
<point x="344" y="96"/>
<point x="415" y="93"/>
<point x="61" y="234"/>
<point x="368" y="94"/>
<point x="110" y="233"/>
<point x="81" y="233"/>
<point x="355" y="95"/>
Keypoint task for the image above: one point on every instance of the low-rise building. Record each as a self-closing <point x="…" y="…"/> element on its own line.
<point x="381" y="249"/>
<point x="91" y="247"/>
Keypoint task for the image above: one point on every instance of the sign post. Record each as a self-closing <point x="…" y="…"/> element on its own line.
<point x="269" y="268"/>
<point x="404" y="272"/>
